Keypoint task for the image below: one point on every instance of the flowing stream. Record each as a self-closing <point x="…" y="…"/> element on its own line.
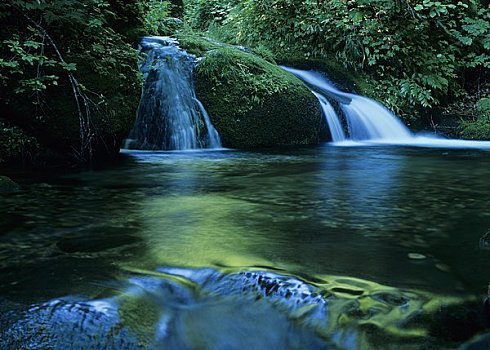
<point x="315" y="248"/>
<point x="320" y="247"/>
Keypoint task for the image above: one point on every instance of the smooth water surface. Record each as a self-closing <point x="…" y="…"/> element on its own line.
<point x="324" y="247"/>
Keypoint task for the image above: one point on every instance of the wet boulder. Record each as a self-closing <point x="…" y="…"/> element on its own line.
<point x="254" y="103"/>
<point x="70" y="324"/>
<point x="7" y="185"/>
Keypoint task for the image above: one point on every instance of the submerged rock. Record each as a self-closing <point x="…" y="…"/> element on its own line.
<point x="485" y="241"/>
<point x="254" y="103"/>
<point x="70" y="324"/>
<point x="192" y="308"/>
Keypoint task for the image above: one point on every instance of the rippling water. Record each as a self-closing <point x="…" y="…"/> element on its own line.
<point x="325" y="247"/>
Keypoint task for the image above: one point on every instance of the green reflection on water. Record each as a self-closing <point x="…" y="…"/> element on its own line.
<point x="354" y="212"/>
<point x="341" y="219"/>
<point x="199" y="230"/>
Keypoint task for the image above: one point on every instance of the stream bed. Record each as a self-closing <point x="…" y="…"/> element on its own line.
<point x="305" y="248"/>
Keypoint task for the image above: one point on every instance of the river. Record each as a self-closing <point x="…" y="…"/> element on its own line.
<point x="399" y="227"/>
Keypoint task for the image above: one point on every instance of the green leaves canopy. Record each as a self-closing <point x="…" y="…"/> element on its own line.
<point x="417" y="51"/>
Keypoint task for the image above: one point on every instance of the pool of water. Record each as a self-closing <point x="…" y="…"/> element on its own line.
<point x="323" y="247"/>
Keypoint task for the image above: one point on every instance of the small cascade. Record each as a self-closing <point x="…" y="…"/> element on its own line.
<point x="366" y="119"/>
<point x="213" y="137"/>
<point x="369" y="120"/>
<point x="332" y="119"/>
<point x="170" y="117"/>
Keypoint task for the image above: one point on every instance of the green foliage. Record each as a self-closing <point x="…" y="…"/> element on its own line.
<point x="65" y="72"/>
<point x="24" y="55"/>
<point x="475" y="130"/>
<point x="154" y="16"/>
<point x="483" y="108"/>
<point x="414" y="52"/>
<point x="478" y="129"/>
<point x="15" y="144"/>
<point x="201" y="14"/>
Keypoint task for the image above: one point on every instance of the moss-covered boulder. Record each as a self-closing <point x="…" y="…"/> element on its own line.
<point x="478" y="129"/>
<point x="7" y="185"/>
<point x="483" y="108"/>
<point x="254" y="103"/>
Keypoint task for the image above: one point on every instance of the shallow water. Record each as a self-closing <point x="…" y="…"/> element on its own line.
<point x="359" y="247"/>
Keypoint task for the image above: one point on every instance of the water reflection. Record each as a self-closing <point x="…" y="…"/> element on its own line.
<point x="407" y="218"/>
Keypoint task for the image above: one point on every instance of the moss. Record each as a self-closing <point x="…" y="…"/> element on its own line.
<point x="7" y="185"/>
<point x="196" y="44"/>
<point x="254" y="103"/>
<point x="199" y="45"/>
<point x="140" y="315"/>
<point x="475" y="130"/>
<point x="483" y="108"/>
<point x="478" y="129"/>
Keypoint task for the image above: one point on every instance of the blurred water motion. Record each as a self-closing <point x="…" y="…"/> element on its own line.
<point x="88" y="246"/>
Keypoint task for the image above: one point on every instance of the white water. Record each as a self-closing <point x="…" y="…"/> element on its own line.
<point x="369" y="122"/>
<point x="333" y="121"/>
<point x="170" y="117"/>
<point x="214" y="140"/>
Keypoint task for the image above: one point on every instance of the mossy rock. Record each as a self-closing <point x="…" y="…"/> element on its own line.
<point x="483" y="108"/>
<point x="478" y="129"/>
<point x="254" y="103"/>
<point x="195" y="44"/>
<point x="7" y="185"/>
<point x="343" y="78"/>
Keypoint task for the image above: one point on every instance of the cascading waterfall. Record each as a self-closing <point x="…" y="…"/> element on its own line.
<point x="366" y="119"/>
<point x="333" y="122"/>
<point x="214" y="140"/>
<point x="170" y="117"/>
<point x="369" y="122"/>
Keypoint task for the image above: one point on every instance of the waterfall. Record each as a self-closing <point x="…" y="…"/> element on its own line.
<point x="170" y="117"/>
<point x="333" y="122"/>
<point x="369" y="122"/>
<point x="213" y="137"/>
<point x="366" y="119"/>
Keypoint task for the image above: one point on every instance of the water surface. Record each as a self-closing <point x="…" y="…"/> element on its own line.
<point x="350" y="224"/>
